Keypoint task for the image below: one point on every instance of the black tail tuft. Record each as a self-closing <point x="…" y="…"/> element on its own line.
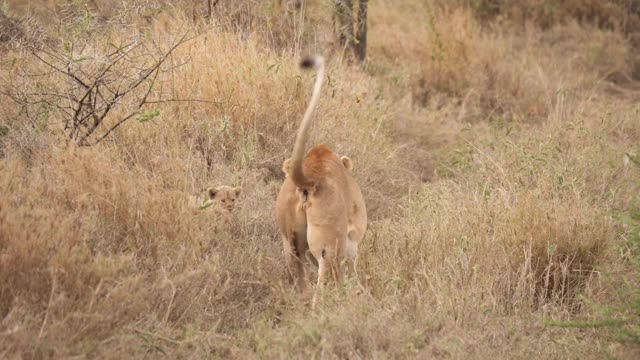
<point x="308" y="63"/>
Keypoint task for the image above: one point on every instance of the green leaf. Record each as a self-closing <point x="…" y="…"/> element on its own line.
<point x="81" y="58"/>
<point x="149" y="116"/>
<point x="205" y="204"/>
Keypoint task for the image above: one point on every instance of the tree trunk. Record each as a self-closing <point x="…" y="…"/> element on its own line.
<point x="361" y="34"/>
<point x="344" y="19"/>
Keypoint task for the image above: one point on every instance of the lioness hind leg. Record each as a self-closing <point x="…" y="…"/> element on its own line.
<point x="328" y="266"/>
<point x="299" y="273"/>
<point x="351" y="256"/>
<point x="322" y="270"/>
<point x="295" y="266"/>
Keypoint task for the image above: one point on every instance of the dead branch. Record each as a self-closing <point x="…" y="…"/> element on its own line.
<point x="93" y="86"/>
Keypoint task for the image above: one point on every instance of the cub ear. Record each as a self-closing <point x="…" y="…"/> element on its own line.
<point x="237" y="190"/>
<point x="286" y="167"/>
<point x="347" y="162"/>
<point x="212" y="192"/>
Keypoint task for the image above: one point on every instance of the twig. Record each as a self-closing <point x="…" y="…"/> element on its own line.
<point x="46" y="314"/>
<point x="160" y="101"/>
<point x="142" y="332"/>
<point x="140" y="105"/>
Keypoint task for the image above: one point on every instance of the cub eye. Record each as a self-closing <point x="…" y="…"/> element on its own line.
<point x="232" y="200"/>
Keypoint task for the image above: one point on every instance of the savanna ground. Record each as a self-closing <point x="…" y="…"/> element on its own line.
<point x="497" y="144"/>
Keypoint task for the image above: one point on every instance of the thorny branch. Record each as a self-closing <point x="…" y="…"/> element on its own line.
<point x="94" y="86"/>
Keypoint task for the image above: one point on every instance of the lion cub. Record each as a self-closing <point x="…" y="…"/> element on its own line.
<point x="226" y="196"/>
<point x="220" y="199"/>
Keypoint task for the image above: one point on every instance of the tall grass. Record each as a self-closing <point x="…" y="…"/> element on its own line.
<point x="491" y="161"/>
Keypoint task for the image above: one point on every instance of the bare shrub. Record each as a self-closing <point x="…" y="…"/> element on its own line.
<point x="96" y="81"/>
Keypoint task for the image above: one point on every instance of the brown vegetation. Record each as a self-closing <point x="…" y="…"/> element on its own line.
<point x="498" y="159"/>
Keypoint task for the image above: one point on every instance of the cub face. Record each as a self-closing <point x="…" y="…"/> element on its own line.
<point x="225" y="195"/>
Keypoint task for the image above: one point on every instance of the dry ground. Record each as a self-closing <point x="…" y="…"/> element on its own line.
<point x="499" y="159"/>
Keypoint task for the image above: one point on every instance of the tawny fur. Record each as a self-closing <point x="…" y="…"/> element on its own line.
<point x="320" y="209"/>
<point x="219" y="201"/>
<point x="226" y="196"/>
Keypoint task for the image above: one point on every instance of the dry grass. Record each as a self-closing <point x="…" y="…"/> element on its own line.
<point x="491" y="162"/>
<point x="501" y="73"/>
<point x="619" y="14"/>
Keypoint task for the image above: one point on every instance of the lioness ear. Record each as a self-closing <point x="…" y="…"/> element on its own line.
<point x="286" y="167"/>
<point x="212" y="193"/>
<point x="237" y="190"/>
<point x="347" y="162"/>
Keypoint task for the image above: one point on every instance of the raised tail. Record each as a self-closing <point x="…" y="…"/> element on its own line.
<point x="297" y="175"/>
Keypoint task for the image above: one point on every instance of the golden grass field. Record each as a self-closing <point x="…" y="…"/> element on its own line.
<point x="497" y="145"/>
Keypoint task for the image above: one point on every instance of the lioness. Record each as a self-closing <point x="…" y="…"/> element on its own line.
<point x="320" y="208"/>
